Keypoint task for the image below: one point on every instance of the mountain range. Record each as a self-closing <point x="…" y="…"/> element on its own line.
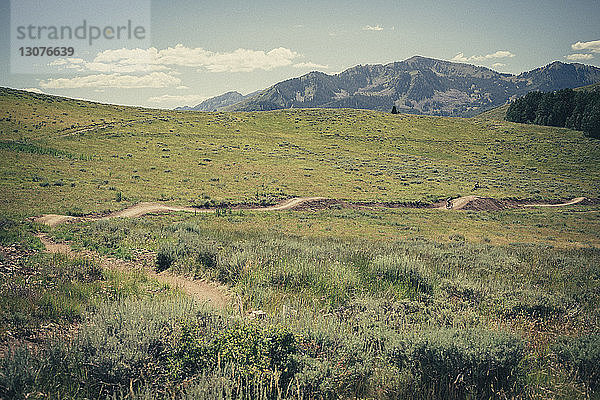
<point x="418" y="85"/>
<point x="217" y="103"/>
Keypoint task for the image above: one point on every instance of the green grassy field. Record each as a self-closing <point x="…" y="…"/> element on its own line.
<point x="189" y="157"/>
<point x="359" y="302"/>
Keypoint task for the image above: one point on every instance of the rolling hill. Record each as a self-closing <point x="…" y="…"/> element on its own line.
<point x="67" y="156"/>
<point x="304" y="284"/>
<point x="218" y="103"/>
<point x="417" y="85"/>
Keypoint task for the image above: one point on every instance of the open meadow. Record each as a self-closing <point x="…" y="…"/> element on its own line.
<point x="305" y="253"/>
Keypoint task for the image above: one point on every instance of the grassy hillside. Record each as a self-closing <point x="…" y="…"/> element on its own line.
<point x="498" y="113"/>
<point x="345" y="302"/>
<point x="61" y="155"/>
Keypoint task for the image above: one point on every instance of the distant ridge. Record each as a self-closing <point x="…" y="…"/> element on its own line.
<point x="418" y="85"/>
<point x="217" y="103"/>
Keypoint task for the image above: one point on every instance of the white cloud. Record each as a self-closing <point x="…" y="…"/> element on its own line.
<point x="152" y="80"/>
<point x="34" y="90"/>
<point x="310" y="65"/>
<point x="175" y="100"/>
<point x="460" y="57"/>
<point x="593" y="46"/>
<point x="372" y="28"/>
<point x="498" y="65"/>
<point x="579" y="57"/>
<point x="500" y="54"/>
<point x="153" y="60"/>
<point x="243" y="60"/>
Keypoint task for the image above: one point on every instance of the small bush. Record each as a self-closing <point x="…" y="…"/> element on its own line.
<point x="252" y="350"/>
<point x="403" y="275"/>
<point x="453" y="364"/>
<point x="583" y="355"/>
<point x="165" y="257"/>
<point x="332" y="367"/>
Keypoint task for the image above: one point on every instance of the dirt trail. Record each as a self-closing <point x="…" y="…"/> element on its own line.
<point x="144" y="208"/>
<point x="461" y="202"/>
<point x="474" y="203"/>
<point x="288" y="204"/>
<point x="106" y="125"/>
<point x="141" y="209"/>
<point x="206" y="292"/>
<point x="574" y="201"/>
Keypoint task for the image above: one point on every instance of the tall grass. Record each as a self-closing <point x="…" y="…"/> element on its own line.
<point x="411" y="319"/>
<point x="33" y="148"/>
<point x="174" y="348"/>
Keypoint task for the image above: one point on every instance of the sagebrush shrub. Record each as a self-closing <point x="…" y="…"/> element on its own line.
<point x="583" y="354"/>
<point x="453" y="363"/>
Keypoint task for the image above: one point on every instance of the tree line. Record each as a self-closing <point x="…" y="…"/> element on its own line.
<point x="567" y="108"/>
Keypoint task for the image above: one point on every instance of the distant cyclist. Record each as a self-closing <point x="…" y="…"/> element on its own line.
<point x="449" y="203"/>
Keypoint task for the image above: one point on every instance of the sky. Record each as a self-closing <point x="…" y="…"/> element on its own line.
<point x="193" y="50"/>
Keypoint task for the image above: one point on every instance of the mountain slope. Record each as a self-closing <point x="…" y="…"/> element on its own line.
<point x="218" y="102"/>
<point x="418" y="85"/>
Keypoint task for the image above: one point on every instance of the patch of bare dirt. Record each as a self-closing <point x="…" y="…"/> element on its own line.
<point x="321" y="204"/>
<point x="393" y="204"/>
<point x="289" y="204"/>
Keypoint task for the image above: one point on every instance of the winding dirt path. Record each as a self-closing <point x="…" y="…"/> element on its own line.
<point x="216" y="295"/>
<point x="143" y="208"/>
<point x="210" y="292"/>
<point x="486" y="203"/>
<point x="288" y="204"/>
<point x="574" y="201"/>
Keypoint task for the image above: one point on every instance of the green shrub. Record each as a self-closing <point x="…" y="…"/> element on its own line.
<point x="126" y="341"/>
<point x="118" y="348"/>
<point x="47" y="288"/>
<point x="450" y="363"/>
<point x="583" y="355"/>
<point x="17" y="232"/>
<point x="403" y="275"/>
<point x="332" y="366"/>
<point x="165" y="257"/>
<point x="251" y="350"/>
<point x="18" y="373"/>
